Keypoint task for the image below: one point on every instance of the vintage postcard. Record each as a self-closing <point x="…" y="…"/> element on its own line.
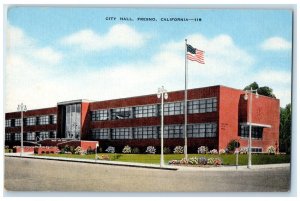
<point x="147" y="99"/>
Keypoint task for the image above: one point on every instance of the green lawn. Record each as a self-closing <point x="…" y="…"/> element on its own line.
<point x="228" y="159"/>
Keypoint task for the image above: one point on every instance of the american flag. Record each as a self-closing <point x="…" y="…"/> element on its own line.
<point x="194" y="54"/>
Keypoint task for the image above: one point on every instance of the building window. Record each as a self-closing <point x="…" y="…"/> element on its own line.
<point x="121" y="133"/>
<point x="17" y="122"/>
<point x="52" y="134"/>
<point x="8" y="123"/>
<point x="172" y="131"/>
<point x="215" y="104"/>
<point x="121" y="113"/>
<point x="145" y="111"/>
<point x="256" y="150"/>
<point x="43" y="120"/>
<point x="145" y="132"/>
<point x="17" y="136"/>
<point x="202" y="130"/>
<point x="202" y="105"/>
<point x="53" y="119"/>
<point x="43" y="135"/>
<point x="7" y="137"/>
<point x="174" y="108"/>
<point x="102" y="133"/>
<point x="31" y="136"/>
<point x="30" y="121"/>
<point x="256" y="132"/>
<point x="99" y="115"/>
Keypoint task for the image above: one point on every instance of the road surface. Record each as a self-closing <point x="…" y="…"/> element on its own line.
<point x="24" y="174"/>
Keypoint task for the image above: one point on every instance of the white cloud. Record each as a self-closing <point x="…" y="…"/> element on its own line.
<point x="17" y="39"/>
<point x="279" y="81"/>
<point x="48" y="55"/>
<point x="119" y="35"/>
<point x="19" y="43"/>
<point x="276" y="44"/>
<point x="43" y="85"/>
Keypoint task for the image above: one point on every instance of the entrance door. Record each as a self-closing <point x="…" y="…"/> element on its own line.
<point x="72" y="122"/>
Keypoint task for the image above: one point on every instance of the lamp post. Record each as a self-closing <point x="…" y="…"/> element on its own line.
<point x="162" y="93"/>
<point x="22" y="108"/>
<point x="96" y="156"/>
<point x="250" y="123"/>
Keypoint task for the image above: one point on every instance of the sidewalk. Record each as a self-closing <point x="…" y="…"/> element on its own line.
<point x="234" y="168"/>
<point x="93" y="161"/>
<point x="153" y="166"/>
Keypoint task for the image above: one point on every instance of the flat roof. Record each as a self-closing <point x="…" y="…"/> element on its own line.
<point x="73" y="101"/>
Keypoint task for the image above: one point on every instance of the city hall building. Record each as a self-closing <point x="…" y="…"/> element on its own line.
<point x="216" y="115"/>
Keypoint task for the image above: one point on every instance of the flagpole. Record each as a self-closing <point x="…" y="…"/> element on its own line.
<point x="185" y="102"/>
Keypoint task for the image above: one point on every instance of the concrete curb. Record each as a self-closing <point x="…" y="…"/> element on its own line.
<point x="153" y="166"/>
<point x="101" y="162"/>
<point x="234" y="168"/>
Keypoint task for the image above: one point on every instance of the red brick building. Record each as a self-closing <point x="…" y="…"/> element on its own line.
<point x="216" y="115"/>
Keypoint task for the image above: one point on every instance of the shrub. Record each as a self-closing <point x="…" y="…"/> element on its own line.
<point x="243" y="150"/>
<point x="178" y="150"/>
<point x="213" y="151"/>
<point x="72" y="149"/>
<point x="193" y="161"/>
<point x="99" y="150"/>
<point x="210" y="161"/>
<point x="222" y="151"/>
<point x="43" y="152"/>
<point x="217" y="161"/>
<point x="126" y="150"/>
<point x="202" y="161"/>
<point x="202" y="150"/>
<point x="135" y="150"/>
<point x="214" y="161"/>
<point x="66" y="148"/>
<point x="110" y="149"/>
<point x="167" y="150"/>
<point x="232" y="145"/>
<point x="271" y="150"/>
<point x="47" y="152"/>
<point x="184" y="161"/>
<point x="104" y="157"/>
<point x="150" y="150"/>
<point x="78" y="150"/>
<point x="174" y="162"/>
<point x="90" y="150"/>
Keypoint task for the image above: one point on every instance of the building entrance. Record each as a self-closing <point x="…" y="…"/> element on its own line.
<point x="72" y="121"/>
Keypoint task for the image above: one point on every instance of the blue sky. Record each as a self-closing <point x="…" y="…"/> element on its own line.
<point x="58" y="54"/>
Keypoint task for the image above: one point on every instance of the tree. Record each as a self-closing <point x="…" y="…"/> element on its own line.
<point x="265" y="91"/>
<point x="254" y="86"/>
<point x="285" y="129"/>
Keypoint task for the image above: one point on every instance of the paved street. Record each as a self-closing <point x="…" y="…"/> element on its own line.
<point x="47" y="175"/>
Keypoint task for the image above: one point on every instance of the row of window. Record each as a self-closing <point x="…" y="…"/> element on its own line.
<point x="173" y="108"/>
<point x="256" y="149"/>
<point x="203" y="130"/>
<point x="31" y="121"/>
<point x="30" y="136"/>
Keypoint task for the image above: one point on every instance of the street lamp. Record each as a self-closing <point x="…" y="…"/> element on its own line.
<point x="22" y="108"/>
<point x="250" y="123"/>
<point x="96" y="156"/>
<point x="162" y="93"/>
